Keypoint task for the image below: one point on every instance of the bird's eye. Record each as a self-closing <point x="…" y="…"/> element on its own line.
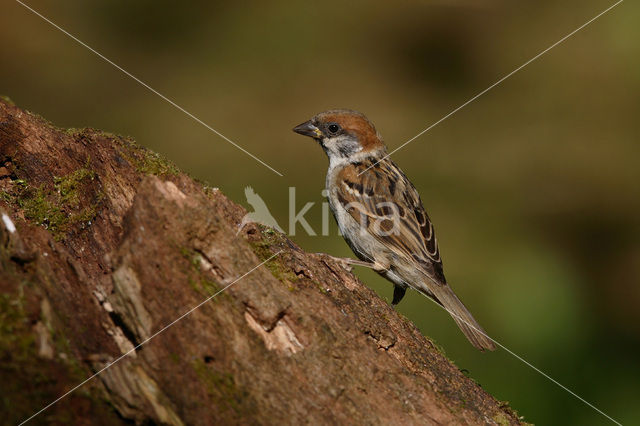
<point x="333" y="128"/>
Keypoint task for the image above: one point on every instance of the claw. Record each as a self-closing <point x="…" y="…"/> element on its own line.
<point x="346" y="262"/>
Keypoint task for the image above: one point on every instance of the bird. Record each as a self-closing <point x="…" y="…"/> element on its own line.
<point x="381" y="216"/>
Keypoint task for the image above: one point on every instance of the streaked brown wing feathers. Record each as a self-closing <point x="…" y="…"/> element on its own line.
<point x="381" y="194"/>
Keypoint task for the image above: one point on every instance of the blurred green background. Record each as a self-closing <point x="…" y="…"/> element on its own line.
<point x="533" y="188"/>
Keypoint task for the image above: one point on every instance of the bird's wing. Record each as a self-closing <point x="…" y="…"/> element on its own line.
<point x="370" y="199"/>
<point x="385" y="203"/>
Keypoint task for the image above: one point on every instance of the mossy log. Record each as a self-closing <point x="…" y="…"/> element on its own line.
<point x="103" y="243"/>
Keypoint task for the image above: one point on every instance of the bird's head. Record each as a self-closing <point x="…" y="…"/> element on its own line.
<point x="343" y="133"/>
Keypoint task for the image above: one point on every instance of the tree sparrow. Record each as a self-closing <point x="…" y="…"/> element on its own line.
<point x="380" y="214"/>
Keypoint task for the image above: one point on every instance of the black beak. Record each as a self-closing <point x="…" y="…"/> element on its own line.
<point x="308" y="129"/>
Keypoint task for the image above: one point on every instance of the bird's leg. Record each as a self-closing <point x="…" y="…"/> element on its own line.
<point x="347" y="263"/>
<point x="398" y="294"/>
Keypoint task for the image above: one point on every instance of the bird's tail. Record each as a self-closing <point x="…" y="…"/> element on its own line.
<point x="468" y="325"/>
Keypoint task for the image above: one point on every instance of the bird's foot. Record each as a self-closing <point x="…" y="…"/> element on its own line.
<point x="348" y="263"/>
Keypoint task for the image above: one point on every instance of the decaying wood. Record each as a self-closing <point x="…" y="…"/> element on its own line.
<point x="111" y="244"/>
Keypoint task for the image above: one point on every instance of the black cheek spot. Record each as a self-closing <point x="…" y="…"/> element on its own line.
<point x="345" y="151"/>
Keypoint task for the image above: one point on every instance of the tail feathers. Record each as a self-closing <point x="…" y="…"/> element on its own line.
<point x="468" y="325"/>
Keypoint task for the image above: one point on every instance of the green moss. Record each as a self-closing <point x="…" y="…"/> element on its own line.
<point x="109" y="135"/>
<point x="6" y="197"/>
<point x="68" y="186"/>
<point x="501" y="419"/>
<point x="20" y="363"/>
<point x="91" y="133"/>
<point x="28" y="381"/>
<point x="197" y="280"/>
<point x="153" y="164"/>
<point x="62" y="345"/>
<point x="17" y="342"/>
<point x="72" y="131"/>
<point x="144" y="160"/>
<point x="320" y="286"/>
<point x="7" y="100"/>
<point x="186" y="252"/>
<point x="38" y="208"/>
<point x="271" y="236"/>
<point x="58" y="209"/>
<point x="195" y="259"/>
<point x="281" y="272"/>
<point x="263" y="250"/>
<point x="504" y="405"/>
<point x="194" y="284"/>
<point x="12" y="325"/>
<point x="209" y="287"/>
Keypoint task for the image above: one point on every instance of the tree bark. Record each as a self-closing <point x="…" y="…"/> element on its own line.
<point x="112" y="243"/>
